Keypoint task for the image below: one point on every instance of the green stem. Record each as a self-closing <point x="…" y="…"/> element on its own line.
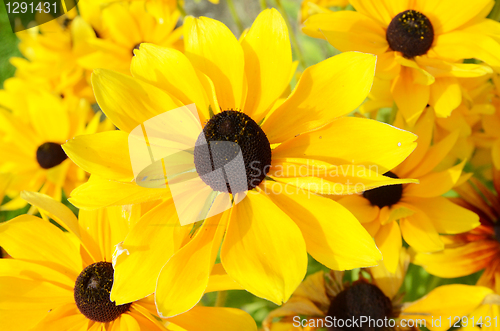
<point x="236" y="18"/>
<point x="495" y="12"/>
<point x="220" y="301"/>
<point x="263" y="4"/>
<point x="293" y="38"/>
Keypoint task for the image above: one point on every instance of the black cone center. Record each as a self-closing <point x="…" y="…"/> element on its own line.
<point x="50" y="155"/>
<point x="92" y="290"/>
<point x="411" y="33"/>
<point x="385" y="195"/>
<point x="360" y="300"/>
<point x="232" y="154"/>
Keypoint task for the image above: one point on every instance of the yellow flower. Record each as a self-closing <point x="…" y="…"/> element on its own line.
<point x="420" y="46"/>
<point x="61" y="280"/>
<point x="417" y="212"/>
<point x="266" y="234"/>
<point x="322" y="297"/>
<point x="31" y="134"/>
<point x="469" y="307"/>
<point x="50" y="58"/>
<point x="478" y="249"/>
<point x="114" y="30"/>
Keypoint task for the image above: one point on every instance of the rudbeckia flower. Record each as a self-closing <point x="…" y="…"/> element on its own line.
<point x="322" y="297"/>
<point x="114" y="30"/>
<point x="416" y="212"/>
<point x="464" y="306"/>
<point x="235" y="86"/>
<point x="478" y="249"/>
<point x="61" y="280"/>
<point x="50" y="57"/>
<point x="31" y="135"/>
<point x="420" y="46"/>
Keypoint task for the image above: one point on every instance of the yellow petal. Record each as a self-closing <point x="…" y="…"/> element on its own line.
<point x="268" y="62"/>
<point x="390" y="282"/>
<point x="446" y="216"/>
<point x="264" y="250"/>
<point x="459" y="261"/>
<point x="171" y="71"/>
<point x="348" y="31"/>
<point x="213" y="49"/>
<point x="378" y="10"/>
<point x="352" y="141"/>
<point x="343" y="80"/>
<point x="102" y="229"/>
<point x="63" y="317"/>
<point x="447" y="301"/>
<point x="49" y="117"/>
<point x="105" y="154"/>
<point x="419" y="232"/>
<point x="220" y="281"/>
<point x="446" y="16"/>
<point x="38" y="271"/>
<point x="54" y="209"/>
<point x="99" y="192"/>
<point x="215" y="319"/>
<point x="127" y="101"/>
<point x="435" y="155"/>
<point x="333" y="235"/>
<point x="388" y="240"/>
<point x="435" y="183"/>
<point x="184" y="278"/>
<point x="445" y="96"/>
<point x="18" y="236"/>
<point x="360" y="207"/>
<point x="458" y="45"/>
<point x="122" y="25"/>
<point x="410" y="98"/>
<point x="148" y="246"/>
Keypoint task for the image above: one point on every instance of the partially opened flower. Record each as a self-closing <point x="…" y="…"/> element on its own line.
<point x="478" y="249"/>
<point x="324" y="299"/>
<point x="416" y="212"/>
<point x="31" y="134"/>
<point x="420" y="46"/>
<point x="236" y="86"/>
<point x="61" y="280"/>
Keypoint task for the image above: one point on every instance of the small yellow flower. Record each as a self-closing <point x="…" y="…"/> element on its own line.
<point x="31" y="135"/>
<point x="420" y="46"/>
<point x="416" y="212"/>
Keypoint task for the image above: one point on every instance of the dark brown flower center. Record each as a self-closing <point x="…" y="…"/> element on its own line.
<point x="360" y="300"/>
<point x="91" y="292"/>
<point x="50" y="155"/>
<point x="385" y="195"/>
<point x="411" y="33"/>
<point x="232" y="154"/>
<point x="138" y="46"/>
